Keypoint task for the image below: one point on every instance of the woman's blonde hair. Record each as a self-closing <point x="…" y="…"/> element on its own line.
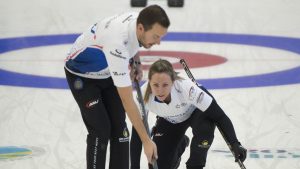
<point x="160" y="66"/>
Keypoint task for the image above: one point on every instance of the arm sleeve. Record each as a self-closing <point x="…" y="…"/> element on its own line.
<point x="195" y="95"/>
<point x="216" y="114"/>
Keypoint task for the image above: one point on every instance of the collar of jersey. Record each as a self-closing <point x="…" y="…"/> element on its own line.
<point x="155" y="99"/>
<point x="132" y="34"/>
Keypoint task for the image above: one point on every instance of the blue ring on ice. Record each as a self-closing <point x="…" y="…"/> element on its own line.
<point x="284" y="77"/>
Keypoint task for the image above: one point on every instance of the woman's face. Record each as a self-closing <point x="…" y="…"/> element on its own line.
<point x="161" y="85"/>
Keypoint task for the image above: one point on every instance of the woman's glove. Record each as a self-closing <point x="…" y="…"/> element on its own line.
<point x="239" y="151"/>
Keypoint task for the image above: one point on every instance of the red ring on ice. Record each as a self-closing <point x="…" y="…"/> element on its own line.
<point x="194" y="60"/>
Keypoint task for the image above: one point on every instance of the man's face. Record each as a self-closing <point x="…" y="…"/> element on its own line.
<point x="152" y="36"/>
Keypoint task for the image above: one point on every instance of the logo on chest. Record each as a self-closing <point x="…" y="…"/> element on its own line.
<point x="178" y="106"/>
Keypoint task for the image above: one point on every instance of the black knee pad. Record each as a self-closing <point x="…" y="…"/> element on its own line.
<point x="119" y="150"/>
<point x="93" y="139"/>
<point x="199" y="149"/>
<point x="96" y="151"/>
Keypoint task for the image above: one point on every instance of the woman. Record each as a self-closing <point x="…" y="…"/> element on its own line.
<point x="179" y="104"/>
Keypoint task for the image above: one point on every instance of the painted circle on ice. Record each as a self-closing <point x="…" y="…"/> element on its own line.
<point x="193" y="59"/>
<point x="13" y="152"/>
<point x="264" y="153"/>
<point x="19" y="152"/>
<point x="284" y="77"/>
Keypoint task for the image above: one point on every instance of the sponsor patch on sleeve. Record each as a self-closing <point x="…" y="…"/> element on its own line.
<point x="192" y="93"/>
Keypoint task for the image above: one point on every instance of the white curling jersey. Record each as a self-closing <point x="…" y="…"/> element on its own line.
<point x="104" y="50"/>
<point x="185" y="98"/>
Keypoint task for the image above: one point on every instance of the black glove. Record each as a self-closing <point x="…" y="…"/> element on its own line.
<point x="239" y="151"/>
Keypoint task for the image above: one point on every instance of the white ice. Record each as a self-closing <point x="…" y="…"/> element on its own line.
<point x="265" y="118"/>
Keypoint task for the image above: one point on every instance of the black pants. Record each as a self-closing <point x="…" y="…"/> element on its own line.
<point x="104" y="117"/>
<point x="168" y="138"/>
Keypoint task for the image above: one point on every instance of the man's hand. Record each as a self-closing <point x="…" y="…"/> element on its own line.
<point x="136" y="72"/>
<point x="150" y="150"/>
<point x="239" y="151"/>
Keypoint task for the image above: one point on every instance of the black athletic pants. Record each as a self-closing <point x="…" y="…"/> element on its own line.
<point x="104" y="117"/>
<point x="169" y="137"/>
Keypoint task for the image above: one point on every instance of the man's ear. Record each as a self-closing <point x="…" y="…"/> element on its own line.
<point x="140" y="27"/>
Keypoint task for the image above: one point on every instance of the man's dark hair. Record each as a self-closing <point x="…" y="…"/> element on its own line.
<point x="151" y="15"/>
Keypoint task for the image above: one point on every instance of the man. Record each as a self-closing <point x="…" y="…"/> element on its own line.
<point x="97" y="71"/>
